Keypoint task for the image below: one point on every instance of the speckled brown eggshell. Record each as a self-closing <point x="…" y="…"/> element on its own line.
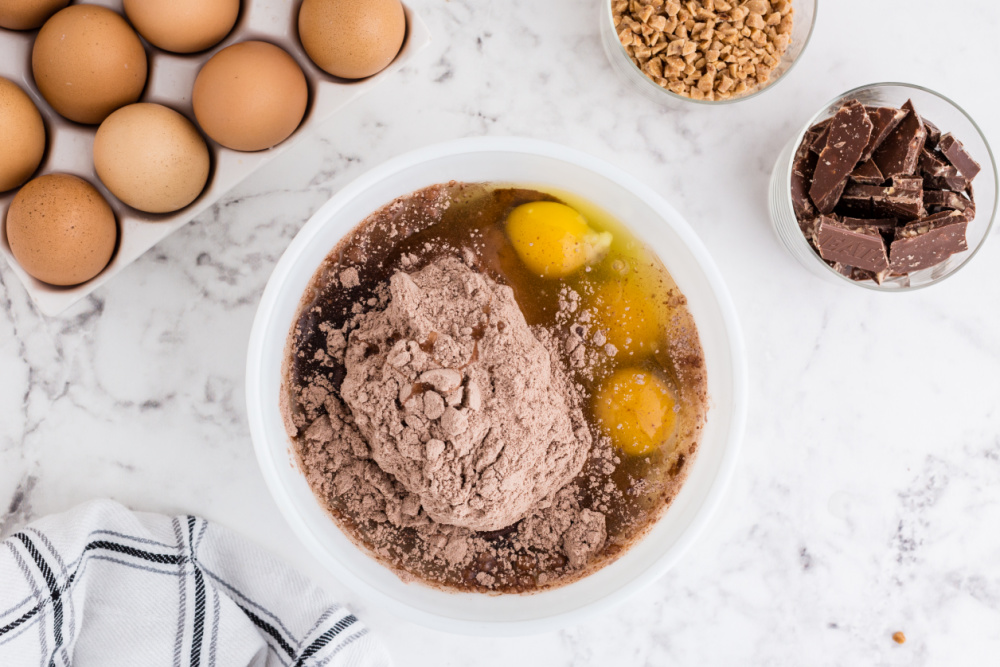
<point x="22" y="136"/>
<point x="61" y="230"/>
<point x="87" y="62"/>
<point x="352" y="39"/>
<point x="250" y="96"/>
<point x="183" y="26"/>
<point x="27" y="14"/>
<point x="151" y="157"/>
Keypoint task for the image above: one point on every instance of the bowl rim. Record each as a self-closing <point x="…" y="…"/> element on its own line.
<point x="870" y="285"/>
<point x="608" y="16"/>
<point x="727" y="312"/>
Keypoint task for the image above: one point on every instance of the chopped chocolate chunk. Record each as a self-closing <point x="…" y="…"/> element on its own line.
<point x="808" y="227"/>
<point x="857" y="200"/>
<point x="884" y="121"/>
<point x="958" y="156"/>
<point x="970" y="208"/>
<point x="950" y="179"/>
<point x="929" y="241"/>
<point x="861" y="275"/>
<point x="931" y="163"/>
<point x="903" y="199"/>
<point x="842" y="269"/>
<point x="908" y="184"/>
<point x="933" y="134"/>
<point x="850" y="131"/>
<point x="819" y="127"/>
<point x="818" y="134"/>
<point x="862" y="247"/>
<point x="856" y="274"/>
<point x="899" y="153"/>
<point x="884" y="225"/>
<point x="867" y="173"/>
<point x="924" y="225"/>
<point x="803" y="167"/>
<point x="945" y="199"/>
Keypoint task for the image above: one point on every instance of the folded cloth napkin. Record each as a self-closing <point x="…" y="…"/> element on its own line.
<point x="102" y="586"/>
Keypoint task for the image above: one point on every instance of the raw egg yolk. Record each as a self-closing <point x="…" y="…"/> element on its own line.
<point x="637" y="410"/>
<point x="627" y="316"/>
<point x="553" y="240"/>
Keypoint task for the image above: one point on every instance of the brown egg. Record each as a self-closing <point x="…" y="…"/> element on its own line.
<point x="349" y="38"/>
<point x="27" y="14"/>
<point x="61" y="230"/>
<point x="250" y="96"/>
<point x="88" y="62"/>
<point x="151" y="157"/>
<point x="183" y="26"/>
<point x="22" y="136"/>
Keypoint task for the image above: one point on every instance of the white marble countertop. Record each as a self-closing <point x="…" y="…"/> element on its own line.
<point x="867" y="498"/>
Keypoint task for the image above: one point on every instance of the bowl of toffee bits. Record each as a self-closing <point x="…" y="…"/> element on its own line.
<point x="891" y="187"/>
<point x="705" y="51"/>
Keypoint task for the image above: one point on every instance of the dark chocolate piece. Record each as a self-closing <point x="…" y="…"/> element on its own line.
<point x="842" y="269"/>
<point x="908" y="183"/>
<point x="857" y="200"/>
<point x="899" y="153"/>
<point x="970" y="209"/>
<point x="950" y="179"/>
<point x="903" y="199"/>
<point x="850" y="131"/>
<point x="945" y="199"/>
<point x="808" y="227"/>
<point x="867" y="173"/>
<point x="856" y="274"/>
<point x="928" y="242"/>
<point x="863" y="247"/>
<point x="803" y="166"/>
<point x="861" y="275"/>
<point x="933" y="134"/>
<point x="931" y="163"/>
<point x="958" y="156"/>
<point x="884" y="225"/>
<point x="818" y="135"/>
<point x="923" y="224"/>
<point x="884" y="121"/>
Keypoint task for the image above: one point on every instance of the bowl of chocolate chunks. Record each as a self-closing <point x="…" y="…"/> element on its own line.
<point x="890" y="187"/>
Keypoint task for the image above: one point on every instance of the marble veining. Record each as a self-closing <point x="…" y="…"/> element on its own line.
<point x="867" y="498"/>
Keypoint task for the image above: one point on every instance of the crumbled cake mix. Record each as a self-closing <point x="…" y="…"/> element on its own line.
<point x="448" y="422"/>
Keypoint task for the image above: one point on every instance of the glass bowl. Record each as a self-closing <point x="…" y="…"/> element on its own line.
<point x="946" y="115"/>
<point x="802" y="30"/>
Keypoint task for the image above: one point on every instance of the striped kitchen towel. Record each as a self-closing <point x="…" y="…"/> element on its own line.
<point x="103" y="586"/>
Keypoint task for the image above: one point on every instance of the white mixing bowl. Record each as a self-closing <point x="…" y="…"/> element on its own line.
<point x="649" y="217"/>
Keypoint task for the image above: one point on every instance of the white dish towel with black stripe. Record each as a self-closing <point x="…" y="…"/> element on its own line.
<point x="101" y="586"/>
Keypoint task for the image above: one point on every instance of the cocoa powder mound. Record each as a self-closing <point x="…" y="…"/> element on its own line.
<point x="459" y="401"/>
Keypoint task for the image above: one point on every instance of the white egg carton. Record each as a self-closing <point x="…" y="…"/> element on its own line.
<point x="170" y="82"/>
